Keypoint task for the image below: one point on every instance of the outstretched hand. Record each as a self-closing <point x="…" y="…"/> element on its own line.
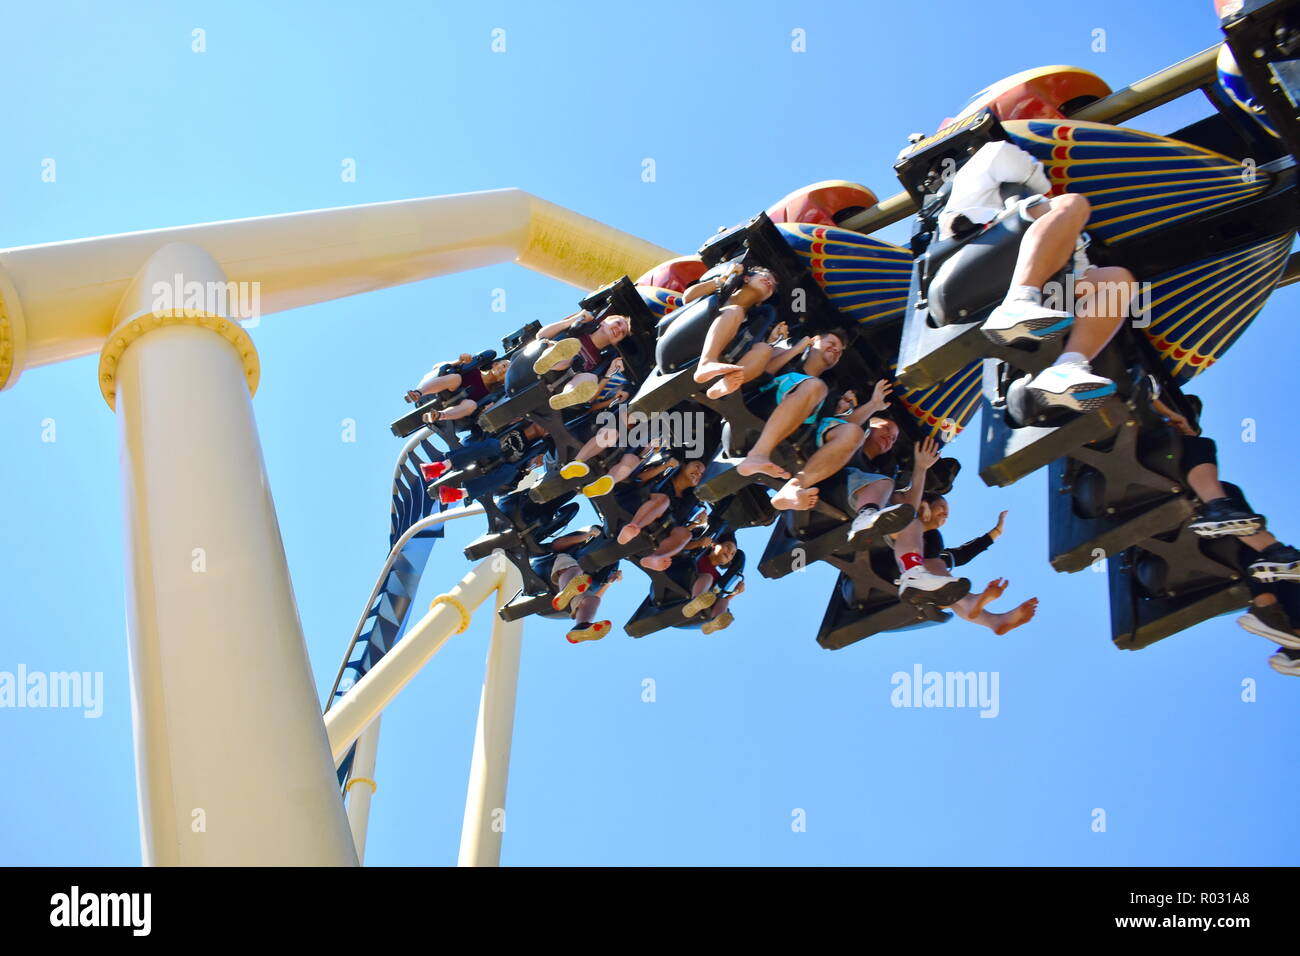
<point x="999" y="527"/>
<point x="879" y="400"/>
<point x="926" y="455"/>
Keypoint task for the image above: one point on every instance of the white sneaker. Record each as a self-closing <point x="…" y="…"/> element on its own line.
<point x="1021" y="320"/>
<point x="1269" y="623"/>
<point x="1284" y="663"/>
<point x="919" y="586"/>
<point x="1071" y="386"/>
<point x="863" y="521"/>
<point x="881" y="521"/>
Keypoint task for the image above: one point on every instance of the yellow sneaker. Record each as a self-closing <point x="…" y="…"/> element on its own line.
<point x="601" y="486"/>
<point x="588" y="632"/>
<point x="702" y="602"/>
<point x="575" y="469"/>
<point x="577" y="585"/>
<point x="719" y="623"/>
<point x="580" y="394"/>
<point x="555" y="353"/>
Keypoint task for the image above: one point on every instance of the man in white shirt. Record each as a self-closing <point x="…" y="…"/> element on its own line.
<point x="1053" y="239"/>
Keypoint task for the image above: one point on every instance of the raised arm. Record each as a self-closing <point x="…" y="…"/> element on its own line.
<point x="711" y="285"/>
<point x="923" y="459"/>
<point x="566" y="324"/>
<point x="783" y="357"/>
<point x="878" y="402"/>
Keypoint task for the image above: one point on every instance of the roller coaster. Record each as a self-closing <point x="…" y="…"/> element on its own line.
<point x="1202" y="219"/>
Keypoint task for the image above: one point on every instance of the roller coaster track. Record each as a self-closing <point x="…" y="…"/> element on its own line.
<point x="416" y="523"/>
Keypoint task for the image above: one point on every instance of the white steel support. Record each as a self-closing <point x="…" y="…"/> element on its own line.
<point x="485" y="802"/>
<point x="362" y="786"/>
<point x="448" y="615"/>
<point x="57" y="299"/>
<point x="231" y="756"/>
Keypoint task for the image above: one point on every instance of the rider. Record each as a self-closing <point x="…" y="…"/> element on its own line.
<point x="475" y="383"/>
<point x="898" y="521"/>
<point x="799" y="392"/>
<point x="1053" y="239"/>
<point x="708" y="569"/>
<point x="1222" y="515"/>
<point x="676" y="498"/>
<point x="933" y="515"/>
<point x="585" y="352"/>
<point x="838" y="437"/>
<point x="758" y="287"/>
<point x="574" y="587"/>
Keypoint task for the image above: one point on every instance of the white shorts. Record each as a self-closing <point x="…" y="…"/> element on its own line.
<point x="563" y="562"/>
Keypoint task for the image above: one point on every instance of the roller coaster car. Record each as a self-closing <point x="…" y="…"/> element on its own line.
<point x="864" y="601"/>
<point x="802" y="537"/>
<point x="675" y="275"/>
<point x="606" y="550"/>
<point x="486" y="468"/>
<point x="553" y="484"/>
<point x="1017" y="437"/>
<point x="1118" y="491"/>
<point x="670" y="592"/>
<point x="528" y="394"/>
<point x="637" y="350"/>
<point x="517" y="526"/>
<point x="1263" y="72"/>
<point x="799" y="301"/>
<point x="957" y="281"/>
<point x="1173" y="581"/>
<point x="526" y="603"/>
<point x="1045" y="92"/>
<point x="413" y="420"/>
<point x="824" y="204"/>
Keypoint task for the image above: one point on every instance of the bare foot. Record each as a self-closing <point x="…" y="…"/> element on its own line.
<point x="1014" y="618"/>
<point x="707" y="371"/>
<point x="656" y="562"/>
<point x="726" y="385"/>
<point x="991" y="593"/>
<point x="755" y="464"/>
<point x="628" y="532"/>
<point x="793" y="497"/>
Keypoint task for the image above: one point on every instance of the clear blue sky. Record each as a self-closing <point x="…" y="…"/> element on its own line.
<point x="750" y="724"/>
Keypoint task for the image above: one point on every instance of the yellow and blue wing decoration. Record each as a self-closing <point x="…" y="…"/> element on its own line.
<point x="1135" y="181"/>
<point x="1199" y="310"/>
<point x="865" y="278"/>
<point x="945" y="408"/>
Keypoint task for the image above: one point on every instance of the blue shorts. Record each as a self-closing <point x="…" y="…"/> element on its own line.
<point x="859" y="479"/>
<point x="785" y="384"/>
<point x="826" y="424"/>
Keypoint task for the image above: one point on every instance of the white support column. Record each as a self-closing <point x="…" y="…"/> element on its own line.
<point x="485" y="802"/>
<point x="362" y="786"/>
<point x="368" y="697"/>
<point x="231" y="756"/>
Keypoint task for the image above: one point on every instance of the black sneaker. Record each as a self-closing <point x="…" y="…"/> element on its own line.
<point x="1221" y="517"/>
<point x="1273" y="622"/>
<point x="1277" y="562"/>
<point x="1286" y="662"/>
